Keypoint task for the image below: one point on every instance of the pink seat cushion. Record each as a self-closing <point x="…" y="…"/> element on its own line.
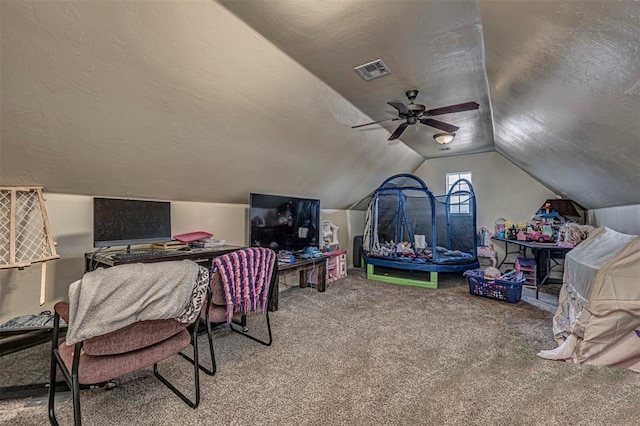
<point x="97" y="369"/>
<point x="130" y="338"/>
<point x="217" y="291"/>
<point x="216" y="313"/>
<point x="133" y="337"/>
<point x="62" y="308"/>
<point x="218" y="305"/>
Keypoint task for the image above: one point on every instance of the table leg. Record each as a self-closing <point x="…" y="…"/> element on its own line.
<point x="303" y="278"/>
<point x="507" y="253"/>
<point x="548" y="271"/>
<point x="275" y="296"/>
<point x="322" y="276"/>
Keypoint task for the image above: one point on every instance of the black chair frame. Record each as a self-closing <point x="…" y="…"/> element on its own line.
<point x="72" y="378"/>
<point x="243" y="320"/>
<point x="242" y="323"/>
<point x="209" y="331"/>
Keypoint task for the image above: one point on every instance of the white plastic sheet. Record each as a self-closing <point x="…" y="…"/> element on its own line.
<point x="598" y="316"/>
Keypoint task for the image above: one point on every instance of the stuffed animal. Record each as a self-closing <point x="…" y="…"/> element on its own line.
<point x="572" y="234"/>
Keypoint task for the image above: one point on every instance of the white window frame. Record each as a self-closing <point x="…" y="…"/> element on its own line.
<point x="458" y="207"/>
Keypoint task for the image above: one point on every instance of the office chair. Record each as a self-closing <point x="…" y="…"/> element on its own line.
<point x="242" y="282"/>
<point x="131" y="348"/>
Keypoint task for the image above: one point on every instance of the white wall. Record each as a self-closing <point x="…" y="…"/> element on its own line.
<point x="71" y="220"/>
<point x="351" y="223"/>
<point x="624" y="219"/>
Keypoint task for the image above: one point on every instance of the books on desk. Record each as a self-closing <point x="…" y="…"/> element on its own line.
<point x="208" y="243"/>
<point x="169" y="245"/>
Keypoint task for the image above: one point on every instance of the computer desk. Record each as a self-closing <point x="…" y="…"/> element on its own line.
<point x="544" y="253"/>
<point x="14" y="340"/>
<point x="202" y="256"/>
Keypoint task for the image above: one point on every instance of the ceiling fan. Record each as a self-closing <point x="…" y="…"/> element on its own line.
<point x="412" y="113"/>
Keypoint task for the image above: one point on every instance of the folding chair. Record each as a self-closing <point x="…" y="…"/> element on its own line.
<point x="254" y="267"/>
<point x="131" y="348"/>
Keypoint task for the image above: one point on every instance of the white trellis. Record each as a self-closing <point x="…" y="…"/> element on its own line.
<point x="25" y="235"/>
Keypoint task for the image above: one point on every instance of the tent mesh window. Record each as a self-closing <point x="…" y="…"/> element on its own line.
<point x="403" y="210"/>
<point x="455" y="216"/>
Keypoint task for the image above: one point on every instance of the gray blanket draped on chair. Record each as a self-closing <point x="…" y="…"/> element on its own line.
<point x="108" y="299"/>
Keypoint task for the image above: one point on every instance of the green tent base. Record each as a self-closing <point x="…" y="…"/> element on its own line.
<point x="403" y="277"/>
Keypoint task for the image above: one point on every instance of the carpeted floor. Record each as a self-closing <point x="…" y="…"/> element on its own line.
<point x="365" y="353"/>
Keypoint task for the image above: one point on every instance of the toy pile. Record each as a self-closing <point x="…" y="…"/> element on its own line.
<point x="405" y="249"/>
<point x="402" y="249"/>
<point x="571" y="234"/>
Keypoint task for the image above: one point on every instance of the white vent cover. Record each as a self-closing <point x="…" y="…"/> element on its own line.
<point x="373" y="69"/>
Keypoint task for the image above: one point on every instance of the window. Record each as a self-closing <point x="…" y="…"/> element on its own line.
<point x="459" y="204"/>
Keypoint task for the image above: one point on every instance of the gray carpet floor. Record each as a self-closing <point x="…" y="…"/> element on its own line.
<point x="364" y="353"/>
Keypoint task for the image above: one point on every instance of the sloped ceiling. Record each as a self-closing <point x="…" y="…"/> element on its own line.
<point x="176" y="101"/>
<point x="208" y="101"/>
<point x="435" y="47"/>
<point x="565" y="90"/>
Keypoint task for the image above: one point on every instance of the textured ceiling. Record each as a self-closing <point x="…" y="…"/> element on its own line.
<point x="565" y="90"/>
<point x="563" y="77"/>
<point x="186" y="101"/>
<point x="435" y="47"/>
<point x="174" y="100"/>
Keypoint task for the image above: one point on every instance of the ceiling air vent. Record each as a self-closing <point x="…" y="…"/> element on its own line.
<point x="372" y="70"/>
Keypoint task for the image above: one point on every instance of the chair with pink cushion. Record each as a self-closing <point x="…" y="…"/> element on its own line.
<point x="103" y="358"/>
<point x="214" y="312"/>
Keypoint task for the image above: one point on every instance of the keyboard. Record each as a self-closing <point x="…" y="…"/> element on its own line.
<point x="142" y="254"/>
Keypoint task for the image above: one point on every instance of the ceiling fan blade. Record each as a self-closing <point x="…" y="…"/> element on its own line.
<point x="467" y="106"/>
<point x="449" y="128"/>
<point x="373" y="122"/>
<point x="396" y="134"/>
<point x="400" y="107"/>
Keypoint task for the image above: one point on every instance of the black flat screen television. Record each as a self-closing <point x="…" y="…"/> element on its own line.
<point x="283" y="223"/>
<point x="122" y="222"/>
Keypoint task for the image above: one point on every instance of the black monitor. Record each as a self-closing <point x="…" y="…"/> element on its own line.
<point x="282" y="222"/>
<point x="121" y="222"/>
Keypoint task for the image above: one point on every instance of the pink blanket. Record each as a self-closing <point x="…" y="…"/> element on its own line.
<point x="245" y="275"/>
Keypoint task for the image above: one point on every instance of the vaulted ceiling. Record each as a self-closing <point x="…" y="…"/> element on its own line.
<point x="208" y="101"/>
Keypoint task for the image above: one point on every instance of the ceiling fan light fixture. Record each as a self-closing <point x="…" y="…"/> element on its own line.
<point x="444" y="138"/>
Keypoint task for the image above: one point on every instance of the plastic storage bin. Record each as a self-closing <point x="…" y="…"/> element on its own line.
<point x="528" y="268"/>
<point x="507" y="288"/>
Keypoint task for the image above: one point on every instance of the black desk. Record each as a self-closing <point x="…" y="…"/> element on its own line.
<point x="202" y="256"/>
<point x="544" y="254"/>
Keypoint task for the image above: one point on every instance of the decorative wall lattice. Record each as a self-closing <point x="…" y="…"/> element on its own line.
<point x="25" y="236"/>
